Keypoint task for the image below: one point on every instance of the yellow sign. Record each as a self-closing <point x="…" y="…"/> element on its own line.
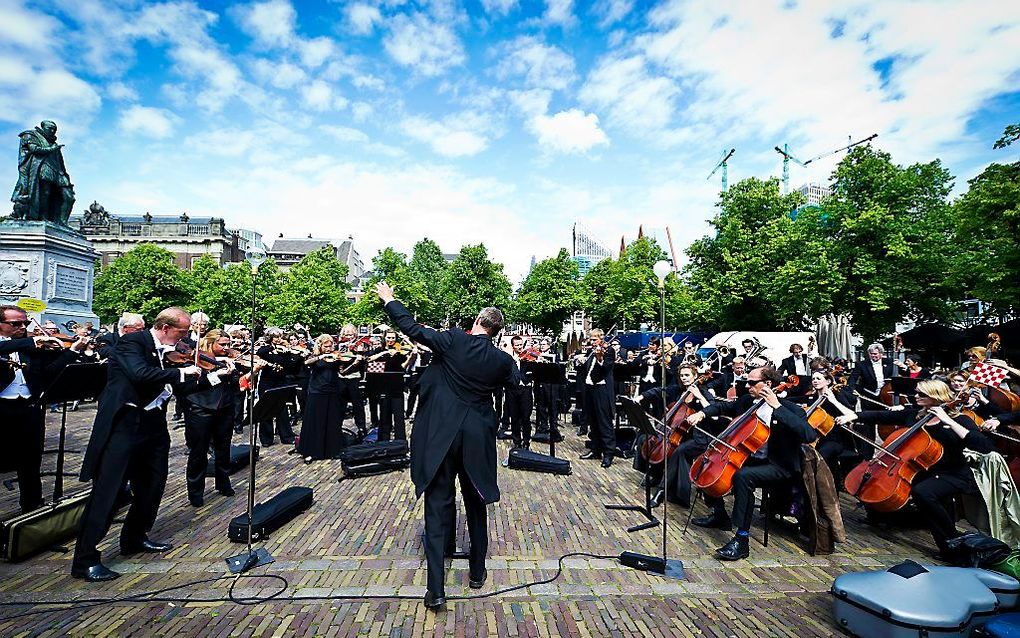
<point x="31" y="305"/>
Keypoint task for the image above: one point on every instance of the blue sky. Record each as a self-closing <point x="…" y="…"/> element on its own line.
<point x="501" y="121"/>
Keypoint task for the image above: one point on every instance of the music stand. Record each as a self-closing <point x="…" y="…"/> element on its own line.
<point x="74" y="382"/>
<point x="636" y="416"/>
<point x="267" y="405"/>
<point x="545" y="372"/>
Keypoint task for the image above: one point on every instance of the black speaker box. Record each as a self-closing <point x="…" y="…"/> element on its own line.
<point x="270" y="516"/>
<point x="521" y="459"/>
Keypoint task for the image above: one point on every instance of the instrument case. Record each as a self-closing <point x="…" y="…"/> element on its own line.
<point x="270" y="516"/>
<point x="41" y="529"/>
<point x="522" y="459"/>
<point x="239" y="457"/>
<point x="910" y="600"/>
<point x="382" y="466"/>
<point x="1004" y="626"/>
<point x="367" y="452"/>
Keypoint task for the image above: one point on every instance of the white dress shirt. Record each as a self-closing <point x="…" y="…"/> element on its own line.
<point x="18" y="388"/>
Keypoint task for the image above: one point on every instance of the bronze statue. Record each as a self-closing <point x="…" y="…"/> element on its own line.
<point x="44" y="191"/>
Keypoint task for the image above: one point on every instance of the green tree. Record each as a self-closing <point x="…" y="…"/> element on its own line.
<point x="988" y="237"/>
<point x="1009" y="135"/>
<point x="426" y="271"/>
<point x="473" y="282"/>
<point x="225" y="294"/>
<point x="549" y="293"/>
<point x="389" y="266"/>
<point x="144" y="280"/>
<point x="314" y="293"/>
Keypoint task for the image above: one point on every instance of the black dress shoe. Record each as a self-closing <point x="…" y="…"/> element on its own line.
<point x="196" y="501"/>
<point x="287" y="441"/>
<point x="582" y="431"/>
<point x="145" y="547"/>
<point x="736" y="549"/>
<point x="658" y="497"/>
<point x="478" y="583"/>
<point x="503" y="435"/>
<point x="433" y="602"/>
<point x="226" y="491"/>
<point x="591" y="454"/>
<point x="714" y="522"/>
<point x="607" y="460"/>
<point x="95" y="574"/>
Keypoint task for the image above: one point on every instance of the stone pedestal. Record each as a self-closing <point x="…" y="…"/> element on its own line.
<point x="50" y="262"/>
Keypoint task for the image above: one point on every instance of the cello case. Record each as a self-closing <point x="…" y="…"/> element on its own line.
<point x="910" y="600"/>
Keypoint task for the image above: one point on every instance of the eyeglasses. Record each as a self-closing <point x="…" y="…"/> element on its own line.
<point x="21" y="324"/>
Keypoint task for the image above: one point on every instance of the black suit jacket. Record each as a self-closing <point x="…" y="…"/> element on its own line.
<point x="787" y="431"/>
<point x="599" y="371"/>
<point x="456" y="395"/>
<point x="41" y="366"/>
<point x="863" y="375"/>
<point x="789" y="365"/>
<point x="135" y="375"/>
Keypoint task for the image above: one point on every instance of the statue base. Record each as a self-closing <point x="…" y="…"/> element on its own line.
<point x="51" y="262"/>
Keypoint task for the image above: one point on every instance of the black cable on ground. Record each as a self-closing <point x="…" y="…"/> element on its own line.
<point x="154" y="596"/>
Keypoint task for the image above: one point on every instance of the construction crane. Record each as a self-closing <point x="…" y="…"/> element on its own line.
<point x="724" y="163"/>
<point x="787" y="157"/>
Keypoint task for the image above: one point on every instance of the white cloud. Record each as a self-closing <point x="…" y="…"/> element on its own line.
<point x="499" y="7"/>
<point x="122" y="92"/>
<point x="26" y="29"/>
<point x="361" y="111"/>
<point x="345" y="134"/>
<point x="559" y="12"/>
<point x="271" y="23"/>
<point x="632" y="98"/>
<point x="319" y="96"/>
<point x="282" y="75"/>
<point x="29" y="94"/>
<point x="609" y="12"/>
<point x="362" y="17"/>
<point x="452" y="138"/>
<point x="148" y="121"/>
<point x="315" y="51"/>
<point x="572" y="131"/>
<point x="539" y="64"/>
<point x="426" y="46"/>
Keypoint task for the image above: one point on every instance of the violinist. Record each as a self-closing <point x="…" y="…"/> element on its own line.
<point x="32" y="362"/>
<point x="391" y="406"/>
<point x="975" y="399"/>
<point x="678" y="463"/>
<point x="577" y="361"/>
<point x="208" y="419"/>
<point x="870" y="375"/>
<point x="321" y="431"/>
<point x="912" y="368"/>
<point x="974" y="356"/>
<point x="350" y="377"/>
<point x="519" y="402"/>
<point x="281" y="373"/>
<point x="778" y="462"/>
<point x="599" y="400"/>
<point x="546" y="398"/>
<point x="837" y="402"/>
<point x="651" y="369"/>
<point x="421" y="356"/>
<point x="950" y="475"/>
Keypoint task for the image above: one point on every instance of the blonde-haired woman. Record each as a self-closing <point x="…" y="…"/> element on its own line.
<point x="951" y="475"/>
<point x="321" y="432"/>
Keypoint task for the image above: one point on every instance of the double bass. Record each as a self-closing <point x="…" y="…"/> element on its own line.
<point x="713" y="471"/>
<point x="676" y="421"/>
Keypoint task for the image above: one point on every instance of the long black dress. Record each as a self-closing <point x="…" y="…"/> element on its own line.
<point x="321" y="432"/>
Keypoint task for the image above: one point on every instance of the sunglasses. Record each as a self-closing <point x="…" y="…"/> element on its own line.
<point x="22" y="324"/>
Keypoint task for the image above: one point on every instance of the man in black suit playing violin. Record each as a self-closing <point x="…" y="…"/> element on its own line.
<point x="778" y="461"/>
<point x="130" y="441"/>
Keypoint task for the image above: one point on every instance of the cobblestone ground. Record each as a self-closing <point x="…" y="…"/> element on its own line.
<point x="362" y="537"/>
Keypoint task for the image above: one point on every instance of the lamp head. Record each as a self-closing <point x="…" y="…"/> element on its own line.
<point x="661" y="269"/>
<point x="255" y="257"/>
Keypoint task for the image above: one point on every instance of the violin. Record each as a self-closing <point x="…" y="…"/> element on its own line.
<point x="530" y="354"/>
<point x="883" y="482"/>
<point x="713" y="471"/>
<point x="184" y="354"/>
<point x="676" y="420"/>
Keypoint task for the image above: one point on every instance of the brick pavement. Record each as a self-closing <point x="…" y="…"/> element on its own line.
<point x="362" y="538"/>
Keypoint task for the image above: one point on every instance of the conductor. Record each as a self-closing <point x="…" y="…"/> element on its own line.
<point x="454" y="433"/>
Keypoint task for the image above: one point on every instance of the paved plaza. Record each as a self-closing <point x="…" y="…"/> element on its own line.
<point x="362" y="538"/>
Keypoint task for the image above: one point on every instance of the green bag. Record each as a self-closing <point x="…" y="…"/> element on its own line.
<point x="1009" y="566"/>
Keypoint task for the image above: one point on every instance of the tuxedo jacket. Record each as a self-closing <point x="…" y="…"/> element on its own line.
<point x="599" y="371"/>
<point x="788" y="429"/>
<point x="41" y="366"/>
<point x="863" y="375"/>
<point x="789" y="364"/>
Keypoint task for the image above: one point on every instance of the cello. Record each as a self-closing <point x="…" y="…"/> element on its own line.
<point x="883" y="482"/>
<point x="676" y="421"/>
<point x="712" y="472"/>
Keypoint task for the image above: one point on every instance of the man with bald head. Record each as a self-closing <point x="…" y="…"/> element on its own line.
<point x="130" y="441"/>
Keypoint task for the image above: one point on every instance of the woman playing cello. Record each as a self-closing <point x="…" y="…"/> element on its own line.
<point x="836" y="401"/>
<point x="950" y="474"/>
